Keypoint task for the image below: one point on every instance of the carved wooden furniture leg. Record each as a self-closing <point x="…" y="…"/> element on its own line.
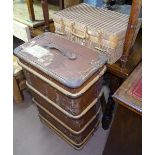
<point x="135" y="10"/>
<point x="61" y="4"/>
<point x="46" y="15"/>
<point x="30" y="9"/>
<point x="18" y="96"/>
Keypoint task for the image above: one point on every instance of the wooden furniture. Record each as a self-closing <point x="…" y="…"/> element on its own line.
<point x="63" y="4"/>
<point x="116" y="75"/>
<point x="19" y="83"/>
<point x="125" y="137"/>
<point x="133" y="60"/>
<point x="35" y="13"/>
<point x="45" y="14"/>
<point x="45" y="11"/>
<point x="21" y="31"/>
<point x="133" y="20"/>
<point x="30" y="9"/>
<point x="120" y="70"/>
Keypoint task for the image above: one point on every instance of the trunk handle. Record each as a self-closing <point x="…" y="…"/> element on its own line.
<point x="64" y="52"/>
<point x="77" y="35"/>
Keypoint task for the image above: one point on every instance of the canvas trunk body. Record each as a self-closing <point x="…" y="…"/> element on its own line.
<point x="97" y="28"/>
<point x="66" y="83"/>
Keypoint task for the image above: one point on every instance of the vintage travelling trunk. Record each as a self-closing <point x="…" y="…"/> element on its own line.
<point x="97" y="28"/>
<point x="66" y="83"/>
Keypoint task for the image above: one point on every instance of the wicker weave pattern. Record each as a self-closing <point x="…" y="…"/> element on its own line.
<point x="94" y="27"/>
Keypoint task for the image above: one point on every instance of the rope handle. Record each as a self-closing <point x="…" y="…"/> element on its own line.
<point x="99" y="42"/>
<point x="100" y="49"/>
<point x="58" y="32"/>
<point x="62" y="28"/>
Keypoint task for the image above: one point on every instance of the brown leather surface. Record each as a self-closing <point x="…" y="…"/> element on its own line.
<point x="76" y="138"/>
<point x="86" y="67"/>
<point x="72" y="90"/>
<point x="75" y="124"/>
<point x="72" y="105"/>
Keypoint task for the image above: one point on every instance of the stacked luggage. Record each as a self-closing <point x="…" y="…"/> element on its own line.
<point x="97" y="28"/>
<point x="66" y="83"/>
<point x="64" y="70"/>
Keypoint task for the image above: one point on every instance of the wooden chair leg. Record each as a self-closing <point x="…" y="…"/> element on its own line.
<point x="61" y="4"/>
<point x="135" y="10"/>
<point x="18" y="96"/>
<point x="46" y="15"/>
<point x="30" y="9"/>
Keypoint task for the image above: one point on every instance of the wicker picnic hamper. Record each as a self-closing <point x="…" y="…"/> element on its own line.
<point x="97" y="28"/>
<point x="66" y="83"/>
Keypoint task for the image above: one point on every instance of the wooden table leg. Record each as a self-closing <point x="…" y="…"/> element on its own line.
<point x="30" y="9"/>
<point x="46" y="15"/>
<point x="61" y="4"/>
<point x="18" y="96"/>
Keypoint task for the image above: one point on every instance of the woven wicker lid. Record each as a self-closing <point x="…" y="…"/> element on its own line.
<point x="95" y="19"/>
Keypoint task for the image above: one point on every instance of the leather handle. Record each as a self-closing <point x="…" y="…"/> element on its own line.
<point x="99" y="42"/>
<point x="100" y="49"/>
<point x="58" y="32"/>
<point x="69" y="55"/>
<point x="77" y="35"/>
